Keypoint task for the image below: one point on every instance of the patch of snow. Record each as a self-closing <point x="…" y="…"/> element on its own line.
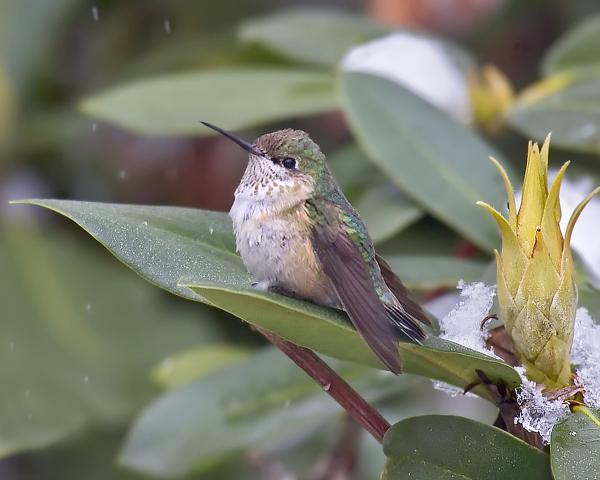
<point x="538" y="414"/>
<point x="463" y="323"/>
<point x="585" y="353"/>
<point x="586" y="339"/>
<point x="589" y="378"/>
<point x="420" y="64"/>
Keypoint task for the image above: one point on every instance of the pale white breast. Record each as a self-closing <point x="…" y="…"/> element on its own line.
<point x="273" y="238"/>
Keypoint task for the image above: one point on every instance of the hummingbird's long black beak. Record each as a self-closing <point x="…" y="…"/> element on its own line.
<point x="242" y="143"/>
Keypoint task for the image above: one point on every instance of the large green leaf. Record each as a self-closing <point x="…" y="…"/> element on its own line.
<point x="441" y="164"/>
<point x="578" y="48"/>
<point x="384" y="208"/>
<point x="191" y="253"/>
<point x="78" y="338"/>
<point x="427" y="237"/>
<point x="386" y="211"/>
<point x="454" y="448"/>
<point x="90" y="456"/>
<point x="435" y="271"/>
<point x="568" y="105"/>
<point x="262" y="402"/>
<point x="327" y="331"/>
<point x="189" y="365"/>
<point x="575" y="446"/>
<point x="26" y="29"/>
<point x="589" y="297"/>
<point x="234" y="98"/>
<point x="318" y="36"/>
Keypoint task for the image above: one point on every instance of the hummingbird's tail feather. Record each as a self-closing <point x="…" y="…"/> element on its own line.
<point x="406" y="326"/>
<point x="412" y="308"/>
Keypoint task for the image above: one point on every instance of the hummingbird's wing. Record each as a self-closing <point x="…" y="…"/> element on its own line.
<point x="344" y="252"/>
<point x="401" y="292"/>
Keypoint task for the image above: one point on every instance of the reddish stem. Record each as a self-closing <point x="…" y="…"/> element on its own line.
<point x="356" y="406"/>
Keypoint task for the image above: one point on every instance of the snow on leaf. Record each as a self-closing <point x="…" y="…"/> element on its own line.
<point x="586" y="339"/>
<point x="585" y="353"/>
<point x="418" y="63"/>
<point x="538" y="414"/>
<point x="463" y="324"/>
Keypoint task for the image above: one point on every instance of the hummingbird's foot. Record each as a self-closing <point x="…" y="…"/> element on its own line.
<point x="284" y="291"/>
<point x="263" y="286"/>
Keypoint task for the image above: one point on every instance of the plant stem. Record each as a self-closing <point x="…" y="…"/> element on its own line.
<point x="356" y="406"/>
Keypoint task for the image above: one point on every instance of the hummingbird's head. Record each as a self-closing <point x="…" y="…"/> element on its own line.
<point x="282" y="163"/>
<point x="290" y="154"/>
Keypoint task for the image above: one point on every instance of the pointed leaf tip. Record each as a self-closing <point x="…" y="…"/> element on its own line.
<point x="510" y="194"/>
<point x="575" y="215"/>
<point x="551" y="219"/>
<point x="533" y="200"/>
<point x="544" y="152"/>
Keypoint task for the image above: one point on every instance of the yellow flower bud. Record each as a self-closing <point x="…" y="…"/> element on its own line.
<point x="537" y="293"/>
<point x="491" y="96"/>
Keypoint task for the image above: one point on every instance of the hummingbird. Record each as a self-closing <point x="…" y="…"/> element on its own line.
<point x="299" y="236"/>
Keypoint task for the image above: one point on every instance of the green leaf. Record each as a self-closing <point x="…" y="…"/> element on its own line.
<point x="27" y="27"/>
<point x="174" y="104"/>
<point x="387" y="211"/>
<point x="316" y="36"/>
<point x="328" y="332"/>
<point x="90" y="456"/>
<point x="589" y="297"/>
<point x="441" y="164"/>
<point x="427" y="237"/>
<point x="191" y="253"/>
<point x="429" y="271"/>
<point x="568" y="105"/>
<point x="384" y="209"/>
<point x="575" y="446"/>
<point x="446" y="447"/>
<point x="578" y="48"/>
<point x="262" y="402"/>
<point x="162" y="244"/>
<point x="184" y="367"/>
<point x="69" y="319"/>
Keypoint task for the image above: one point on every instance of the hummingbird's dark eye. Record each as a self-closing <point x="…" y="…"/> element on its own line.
<point x="289" y="163"/>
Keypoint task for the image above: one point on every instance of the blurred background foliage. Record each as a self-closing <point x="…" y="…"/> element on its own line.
<point x="100" y="100"/>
